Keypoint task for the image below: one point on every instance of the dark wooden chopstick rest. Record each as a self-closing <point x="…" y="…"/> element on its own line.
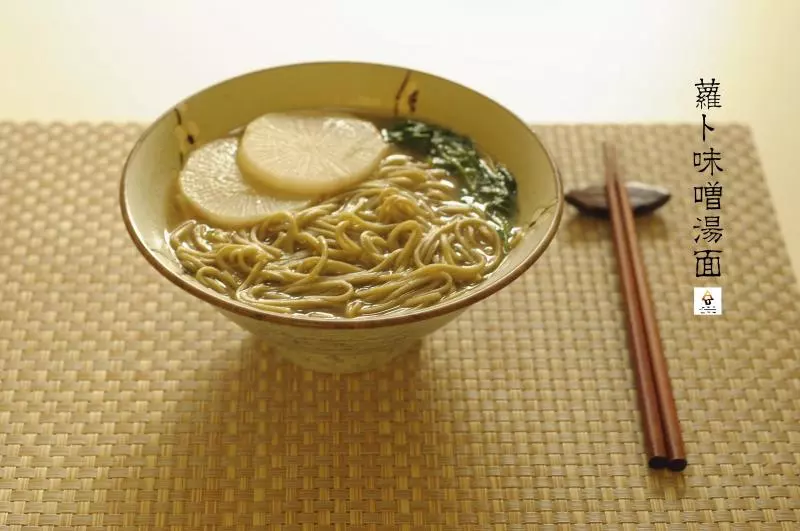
<point x="592" y="200"/>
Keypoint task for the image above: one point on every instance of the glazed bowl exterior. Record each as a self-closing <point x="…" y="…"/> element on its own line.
<point x="337" y="345"/>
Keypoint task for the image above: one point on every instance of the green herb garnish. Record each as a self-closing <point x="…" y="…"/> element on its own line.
<point x="493" y="187"/>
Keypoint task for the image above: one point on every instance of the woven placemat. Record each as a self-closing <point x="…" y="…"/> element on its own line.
<point x="126" y="404"/>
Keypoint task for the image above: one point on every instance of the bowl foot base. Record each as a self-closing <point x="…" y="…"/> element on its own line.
<point x="341" y="363"/>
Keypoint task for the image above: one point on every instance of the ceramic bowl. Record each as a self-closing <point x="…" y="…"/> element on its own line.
<point x="337" y="345"/>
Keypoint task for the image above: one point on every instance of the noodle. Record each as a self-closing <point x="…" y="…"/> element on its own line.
<point x="401" y="240"/>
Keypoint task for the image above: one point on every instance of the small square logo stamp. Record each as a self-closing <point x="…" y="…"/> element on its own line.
<point x="708" y="301"/>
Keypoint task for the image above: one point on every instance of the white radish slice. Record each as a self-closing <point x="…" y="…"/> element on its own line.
<point x="309" y="152"/>
<point x="213" y="185"/>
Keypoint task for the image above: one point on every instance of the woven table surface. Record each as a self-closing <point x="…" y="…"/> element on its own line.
<point x="126" y="404"/>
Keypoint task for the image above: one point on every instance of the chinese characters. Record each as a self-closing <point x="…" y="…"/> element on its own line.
<point x="708" y="94"/>
<point x="708" y="229"/>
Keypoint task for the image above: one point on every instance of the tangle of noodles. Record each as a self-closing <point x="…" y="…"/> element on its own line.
<point x="400" y="240"/>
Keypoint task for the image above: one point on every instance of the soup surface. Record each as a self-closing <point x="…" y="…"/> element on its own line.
<point x="340" y="216"/>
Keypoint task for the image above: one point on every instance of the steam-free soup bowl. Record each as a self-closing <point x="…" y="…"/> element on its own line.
<point x="337" y="345"/>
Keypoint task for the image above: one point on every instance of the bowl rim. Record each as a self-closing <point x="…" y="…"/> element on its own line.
<point x="475" y="295"/>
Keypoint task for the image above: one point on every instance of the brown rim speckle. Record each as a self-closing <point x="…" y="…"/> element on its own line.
<point x="399" y="94"/>
<point x="412" y="101"/>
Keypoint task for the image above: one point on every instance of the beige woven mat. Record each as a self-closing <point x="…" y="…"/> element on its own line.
<point x="125" y="404"/>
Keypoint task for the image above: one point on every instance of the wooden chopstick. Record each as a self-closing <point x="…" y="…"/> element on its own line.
<point x="671" y="426"/>
<point x="640" y="359"/>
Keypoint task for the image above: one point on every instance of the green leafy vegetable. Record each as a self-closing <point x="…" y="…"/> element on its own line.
<point x="493" y="187"/>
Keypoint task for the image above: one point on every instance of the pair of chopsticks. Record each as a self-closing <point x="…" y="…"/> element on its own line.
<point x="662" y="431"/>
